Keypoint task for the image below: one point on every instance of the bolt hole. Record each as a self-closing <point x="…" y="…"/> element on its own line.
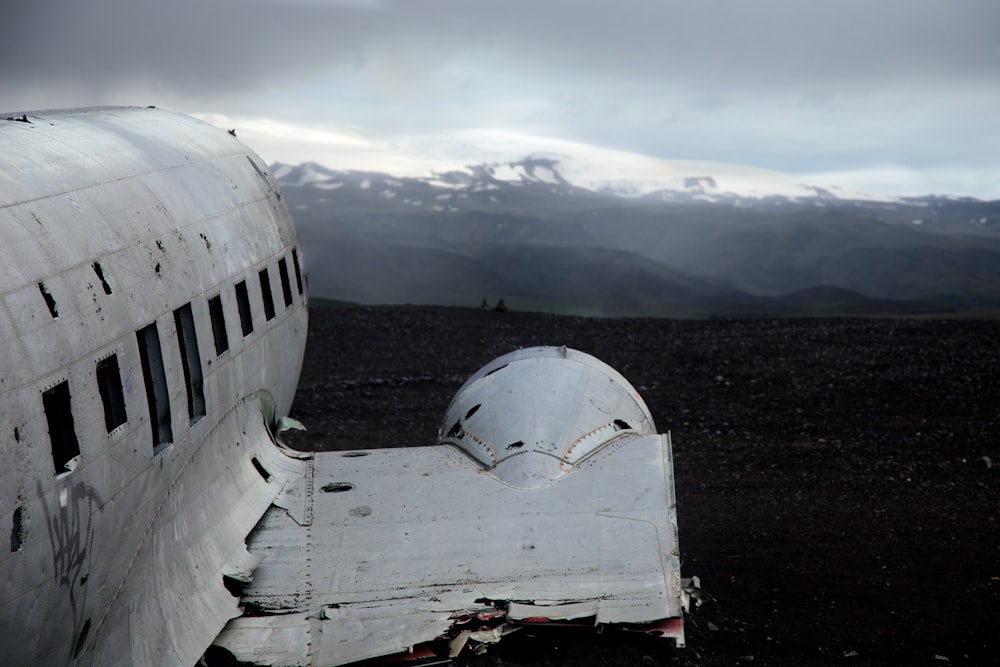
<point x="49" y="300"/>
<point x="260" y="468"/>
<point x="100" y="274"/>
<point x="81" y="641"/>
<point x="18" y="530"/>
<point x="337" y="487"/>
<point x="498" y="368"/>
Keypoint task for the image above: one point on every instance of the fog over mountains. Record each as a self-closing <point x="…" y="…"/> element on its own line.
<point x="681" y="239"/>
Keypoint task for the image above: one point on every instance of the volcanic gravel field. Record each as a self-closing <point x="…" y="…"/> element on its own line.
<point x="838" y="480"/>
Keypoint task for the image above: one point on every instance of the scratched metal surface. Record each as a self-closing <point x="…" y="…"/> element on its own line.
<point x="531" y="415"/>
<point x="402" y="539"/>
<point x="120" y="560"/>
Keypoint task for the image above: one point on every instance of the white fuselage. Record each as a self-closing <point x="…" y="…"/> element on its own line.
<point x="152" y="328"/>
<point x="139" y="248"/>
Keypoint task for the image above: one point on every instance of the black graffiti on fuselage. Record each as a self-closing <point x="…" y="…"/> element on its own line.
<point x="71" y="535"/>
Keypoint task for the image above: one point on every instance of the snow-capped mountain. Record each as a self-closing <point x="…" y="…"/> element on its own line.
<point x="630" y="176"/>
<point x="637" y="179"/>
<point x="696" y="237"/>
<point x="635" y="176"/>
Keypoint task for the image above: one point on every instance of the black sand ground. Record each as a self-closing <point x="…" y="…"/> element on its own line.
<point x="838" y="481"/>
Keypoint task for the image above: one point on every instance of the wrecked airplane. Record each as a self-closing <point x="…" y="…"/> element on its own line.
<point x="153" y="317"/>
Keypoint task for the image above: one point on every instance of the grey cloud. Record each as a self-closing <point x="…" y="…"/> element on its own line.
<point x="781" y="83"/>
<point x="185" y="46"/>
<point x="219" y="45"/>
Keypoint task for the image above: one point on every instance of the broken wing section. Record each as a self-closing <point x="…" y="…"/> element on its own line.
<point x="408" y="546"/>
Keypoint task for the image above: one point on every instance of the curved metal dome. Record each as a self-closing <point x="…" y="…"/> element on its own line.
<point x="533" y="415"/>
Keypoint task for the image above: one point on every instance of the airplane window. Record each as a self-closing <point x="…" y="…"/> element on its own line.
<point x="156" y="386"/>
<point x="243" y="301"/>
<point x="109" y="382"/>
<point x="62" y="435"/>
<point x="187" y="339"/>
<point x="286" y="288"/>
<point x="218" y="324"/>
<point x="298" y="271"/>
<point x="265" y="291"/>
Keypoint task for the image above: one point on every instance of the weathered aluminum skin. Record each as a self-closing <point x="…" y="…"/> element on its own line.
<point x="532" y="415"/>
<point x="120" y="561"/>
<point x="392" y="548"/>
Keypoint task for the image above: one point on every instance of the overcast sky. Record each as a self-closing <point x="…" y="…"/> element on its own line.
<point x="892" y="96"/>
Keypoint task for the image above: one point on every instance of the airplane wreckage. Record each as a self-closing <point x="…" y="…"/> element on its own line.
<point x="153" y="318"/>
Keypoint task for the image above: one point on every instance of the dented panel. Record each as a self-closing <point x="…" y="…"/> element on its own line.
<point x="549" y="497"/>
<point x="533" y="415"/>
<point x="112" y="219"/>
<point x="410" y="545"/>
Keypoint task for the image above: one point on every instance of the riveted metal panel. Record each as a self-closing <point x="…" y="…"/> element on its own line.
<point x="420" y="536"/>
<point x="125" y="215"/>
<point x="410" y="542"/>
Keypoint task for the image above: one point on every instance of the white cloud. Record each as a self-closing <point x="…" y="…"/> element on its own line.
<point x="903" y="181"/>
<point x="583" y="164"/>
<point x="278" y="141"/>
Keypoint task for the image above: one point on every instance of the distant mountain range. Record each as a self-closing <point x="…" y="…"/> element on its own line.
<point x="691" y="240"/>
